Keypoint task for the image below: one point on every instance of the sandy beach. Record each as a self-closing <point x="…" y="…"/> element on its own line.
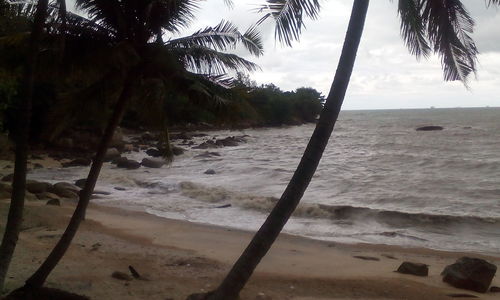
<point x="177" y="258"/>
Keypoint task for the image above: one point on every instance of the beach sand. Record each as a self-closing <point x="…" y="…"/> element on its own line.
<point x="177" y="258"/>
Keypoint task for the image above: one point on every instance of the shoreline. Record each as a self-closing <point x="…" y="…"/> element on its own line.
<point x="197" y="256"/>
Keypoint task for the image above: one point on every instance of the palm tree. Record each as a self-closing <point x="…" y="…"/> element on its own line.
<point x="16" y="208"/>
<point x="439" y="26"/>
<point x="136" y="29"/>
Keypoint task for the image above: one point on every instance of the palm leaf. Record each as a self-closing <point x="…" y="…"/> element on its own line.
<point x="201" y="59"/>
<point x="222" y="37"/>
<point x="449" y="26"/>
<point x="288" y="15"/>
<point x="412" y="27"/>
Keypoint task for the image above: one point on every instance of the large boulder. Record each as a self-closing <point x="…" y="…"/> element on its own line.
<point x="154" y="152"/>
<point x="470" y="273"/>
<point x="47" y="196"/>
<point x="153" y="162"/>
<point x="63" y="192"/>
<point x="412" y="268"/>
<point x="67" y="186"/>
<point x="36" y="187"/>
<point x="128" y="164"/>
<point x="111" y="154"/>
<point x="119" y="159"/>
<point x="430" y="128"/>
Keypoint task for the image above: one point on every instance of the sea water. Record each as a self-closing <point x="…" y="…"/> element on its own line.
<point x="379" y="181"/>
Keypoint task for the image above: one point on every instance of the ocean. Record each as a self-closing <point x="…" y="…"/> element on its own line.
<point x="380" y="181"/>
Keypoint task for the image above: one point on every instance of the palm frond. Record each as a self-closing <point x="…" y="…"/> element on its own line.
<point x="221" y="37"/>
<point x="412" y="27"/>
<point x="449" y="26"/>
<point x="201" y="59"/>
<point x="289" y="15"/>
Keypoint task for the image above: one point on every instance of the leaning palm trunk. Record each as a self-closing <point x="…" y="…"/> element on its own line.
<point x="267" y="234"/>
<point x="14" y="219"/>
<point x="39" y="277"/>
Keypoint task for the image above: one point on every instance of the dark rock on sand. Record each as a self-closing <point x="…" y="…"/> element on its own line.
<point x="412" y="268"/>
<point x="470" y="273"/>
<point x="121" y="276"/>
<point x="223" y="206"/>
<point x="461" y="296"/>
<point x="129" y="164"/>
<point x="43" y="294"/>
<point x="77" y="162"/>
<point x="430" y="128"/>
<point x="210" y="172"/>
<point x="206" y="145"/>
<point x="153" y="162"/>
<point x="119" y="188"/>
<point x="366" y="257"/>
<point x="55" y="202"/>
<point x="494" y="289"/>
<point x="37" y="166"/>
<point x="36" y="187"/>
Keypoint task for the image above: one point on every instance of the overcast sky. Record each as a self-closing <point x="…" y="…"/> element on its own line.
<point x="385" y="74"/>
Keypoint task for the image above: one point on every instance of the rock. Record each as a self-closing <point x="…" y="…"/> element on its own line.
<point x="494" y="289"/>
<point x="98" y="192"/>
<point x="154" y="152"/>
<point x="366" y="257"/>
<point x="228" y="142"/>
<point x="47" y="196"/>
<point x="223" y="206"/>
<point x="68" y="186"/>
<point x="119" y="159"/>
<point x="63" y="192"/>
<point x="55" y="202"/>
<point x="121" y="276"/>
<point x="77" y="162"/>
<point x="119" y="188"/>
<point x="210" y="172"/>
<point x="129" y="164"/>
<point x="8" y="178"/>
<point x="177" y="150"/>
<point x="30" y="196"/>
<point x="153" y="162"/>
<point x="37" y="166"/>
<point x="81" y="182"/>
<point x="470" y="273"/>
<point x="429" y="128"/>
<point x="412" y="268"/>
<point x="111" y="154"/>
<point x="36" y="187"/>
<point x="181" y="136"/>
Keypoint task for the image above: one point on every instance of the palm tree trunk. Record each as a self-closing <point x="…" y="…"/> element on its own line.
<point x="15" y="216"/>
<point x="267" y="234"/>
<point x="39" y="277"/>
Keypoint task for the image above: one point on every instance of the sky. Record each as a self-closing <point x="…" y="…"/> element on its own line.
<point x="385" y="75"/>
